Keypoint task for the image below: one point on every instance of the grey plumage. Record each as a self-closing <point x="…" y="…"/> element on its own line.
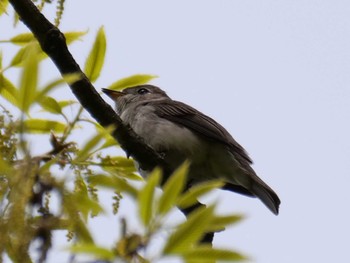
<point x="181" y="132"/>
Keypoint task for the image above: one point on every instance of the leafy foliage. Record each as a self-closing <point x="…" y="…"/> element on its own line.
<point x="131" y="81"/>
<point x="96" y="57"/>
<point x="75" y="173"/>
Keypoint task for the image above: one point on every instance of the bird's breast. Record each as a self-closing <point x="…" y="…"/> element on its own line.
<point x="162" y="134"/>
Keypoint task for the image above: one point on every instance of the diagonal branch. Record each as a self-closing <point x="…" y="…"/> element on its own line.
<point x="53" y="42"/>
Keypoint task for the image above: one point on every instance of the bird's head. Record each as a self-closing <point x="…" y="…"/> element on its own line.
<point x="135" y="95"/>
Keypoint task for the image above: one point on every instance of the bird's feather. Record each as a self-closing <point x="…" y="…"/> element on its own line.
<point x="196" y="121"/>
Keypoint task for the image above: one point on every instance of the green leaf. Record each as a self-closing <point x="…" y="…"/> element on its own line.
<point x="131" y="81"/>
<point x="25" y="38"/>
<point x="96" y="57"/>
<point x="82" y="200"/>
<point x="43" y="126"/>
<point x="109" y="140"/>
<point x="81" y="230"/>
<point x="173" y="188"/>
<point x="3" y="6"/>
<point x="146" y="197"/>
<point x="74" y="36"/>
<point x="19" y="59"/>
<point x="127" y="173"/>
<point x="65" y="103"/>
<point x="218" y="223"/>
<point x="68" y="78"/>
<point x="22" y="39"/>
<point x="80" y="197"/>
<point x="120" y="166"/>
<point x="121" y="162"/>
<point x="190" y="232"/>
<point x="51" y="105"/>
<point x="80" y="186"/>
<point x="86" y="151"/>
<point x="114" y="183"/>
<point x="206" y="253"/>
<point x="191" y="196"/>
<point x="29" y="79"/>
<point x="93" y="250"/>
<point x="8" y="91"/>
<point x="76" y="223"/>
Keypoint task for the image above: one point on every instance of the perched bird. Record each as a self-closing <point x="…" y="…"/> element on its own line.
<point x="180" y="132"/>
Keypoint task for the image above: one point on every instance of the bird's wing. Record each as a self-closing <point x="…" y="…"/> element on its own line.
<point x="196" y="121"/>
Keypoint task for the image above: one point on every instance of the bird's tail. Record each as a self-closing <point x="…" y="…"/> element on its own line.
<point x="257" y="188"/>
<point x="266" y="195"/>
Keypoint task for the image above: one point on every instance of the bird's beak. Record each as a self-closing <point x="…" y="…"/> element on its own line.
<point x="113" y="94"/>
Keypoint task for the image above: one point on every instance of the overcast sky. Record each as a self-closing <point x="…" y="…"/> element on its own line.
<point x="276" y="75"/>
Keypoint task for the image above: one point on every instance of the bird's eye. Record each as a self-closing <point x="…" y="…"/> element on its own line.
<point x="143" y="91"/>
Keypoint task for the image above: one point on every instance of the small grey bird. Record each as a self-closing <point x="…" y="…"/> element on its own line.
<point x="180" y="132"/>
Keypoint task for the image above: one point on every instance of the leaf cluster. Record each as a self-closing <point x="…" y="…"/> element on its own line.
<point x="28" y="182"/>
<point x="154" y="210"/>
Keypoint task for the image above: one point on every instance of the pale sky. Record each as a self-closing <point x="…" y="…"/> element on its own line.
<point x="276" y="75"/>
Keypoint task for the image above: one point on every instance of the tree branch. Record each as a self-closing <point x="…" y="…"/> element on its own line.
<point x="53" y="43"/>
